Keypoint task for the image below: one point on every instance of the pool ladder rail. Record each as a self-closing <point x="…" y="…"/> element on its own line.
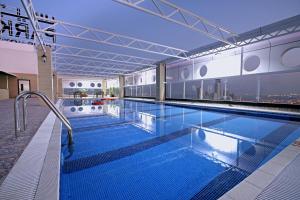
<point x="25" y="95"/>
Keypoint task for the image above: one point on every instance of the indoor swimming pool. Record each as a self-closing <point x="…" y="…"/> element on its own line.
<point x="141" y="150"/>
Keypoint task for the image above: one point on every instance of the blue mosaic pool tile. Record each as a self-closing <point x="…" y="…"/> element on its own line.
<point x="221" y="184"/>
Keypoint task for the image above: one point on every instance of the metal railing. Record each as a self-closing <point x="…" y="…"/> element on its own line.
<point x="48" y="102"/>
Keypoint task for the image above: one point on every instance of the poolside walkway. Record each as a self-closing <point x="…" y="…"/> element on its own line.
<point x="10" y="147"/>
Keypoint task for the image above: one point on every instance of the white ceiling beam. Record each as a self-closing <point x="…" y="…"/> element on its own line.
<point x="104" y="37"/>
<point x="184" y="18"/>
<point x="28" y="6"/>
<point x="66" y="50"/>
<point x="62" y="65"/>
<point x="85" y="71"/>
<point x="70" y="73"/>
<point x="72" y="59"/>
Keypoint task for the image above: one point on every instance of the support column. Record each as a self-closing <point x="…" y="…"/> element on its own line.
<point x="121" y="86"/>
<point x="55" y="84"/>
<point x="59" y="87"/>
<point x="160" y="81"/>
<point x="45" y="73"/>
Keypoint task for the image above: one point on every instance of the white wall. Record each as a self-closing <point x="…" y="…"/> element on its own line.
<point x="74" y="83"/>
<point x="18" y="58"/>
<point x="280" y="54"/>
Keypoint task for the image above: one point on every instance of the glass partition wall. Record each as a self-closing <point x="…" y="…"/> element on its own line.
<point x="141" y="84"/>
<point x="275" y="88"/>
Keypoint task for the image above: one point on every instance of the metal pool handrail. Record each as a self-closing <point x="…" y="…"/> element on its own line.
<point x="48" y="102"/>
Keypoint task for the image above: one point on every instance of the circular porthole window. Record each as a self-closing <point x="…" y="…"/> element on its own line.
<point x="80" y="109"/>
<point x="99" y="85"/>
<point x="71" y="84"/>
<point x="93" y="107"/>
<point x="251" y="63"/>
<point x="203" y="70"/>
<point x="92" y="85"/>
<point x="79" y="84"/>
<point x="73" y="109"/>
<point x="291" y="57"/>
<point x="99" y="107"/>
<point x="185" y="73"/>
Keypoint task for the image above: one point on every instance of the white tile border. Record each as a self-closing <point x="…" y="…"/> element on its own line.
<point x="254" y="184"/>
<point x="48" y="187"/>
<point x="23" y="179"/>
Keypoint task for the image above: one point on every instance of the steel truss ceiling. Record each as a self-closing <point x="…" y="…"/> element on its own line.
<point x="246" y="39"/>
<point x="83" y="73"/>
<point x="83" y="68"/>
<point x="102" y="63"/>
<point x="64" y="50"/>
<point x="181" y="16"/>
<point x="75" y="31"/>
<point x="28" y="6"/>
<point x="95" y="64"/>
<point x="117" y="61"/>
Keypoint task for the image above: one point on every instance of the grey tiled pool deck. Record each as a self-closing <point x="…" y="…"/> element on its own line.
<point x="10" y="147"/>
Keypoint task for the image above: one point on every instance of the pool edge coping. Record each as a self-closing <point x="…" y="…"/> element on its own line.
<point x="261" y="178"/>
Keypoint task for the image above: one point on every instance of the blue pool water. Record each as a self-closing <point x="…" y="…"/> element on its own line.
<point x="137" y="150"/>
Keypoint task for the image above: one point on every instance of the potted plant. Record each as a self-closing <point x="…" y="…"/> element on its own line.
<point x="83" y="93"/>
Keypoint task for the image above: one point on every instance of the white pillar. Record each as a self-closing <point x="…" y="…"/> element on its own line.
<point x="160" y="81"/>
<point x="121" y="86"/>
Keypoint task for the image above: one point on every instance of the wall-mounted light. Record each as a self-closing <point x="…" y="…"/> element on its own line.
<point x="44" y="57"/>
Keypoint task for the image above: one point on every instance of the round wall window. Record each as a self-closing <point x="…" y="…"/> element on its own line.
<point x="185" y="73"/>
<point x="251" y="63"/>
<point x="79" y="84"/>
<point x="291" y="57"/>
<point x="71" y="84"/>
<point x="99" y="85"/>
<point x="203" y="70"/>
<point x="92" y="85"/>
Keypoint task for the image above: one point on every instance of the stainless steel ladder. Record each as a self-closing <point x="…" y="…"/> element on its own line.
<point x="48" y="102"/>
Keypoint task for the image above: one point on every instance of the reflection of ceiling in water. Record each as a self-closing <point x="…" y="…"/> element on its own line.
<point x="146" y="121"/>
<point x="220" y="142"/>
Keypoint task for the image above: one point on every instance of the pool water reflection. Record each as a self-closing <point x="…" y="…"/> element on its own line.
<point x="137" y="150"/>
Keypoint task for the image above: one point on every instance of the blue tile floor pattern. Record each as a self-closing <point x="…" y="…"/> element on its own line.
<point x="149" y="152"/>
<point x="250" y="160"/>
<point x="87" y="162"/>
